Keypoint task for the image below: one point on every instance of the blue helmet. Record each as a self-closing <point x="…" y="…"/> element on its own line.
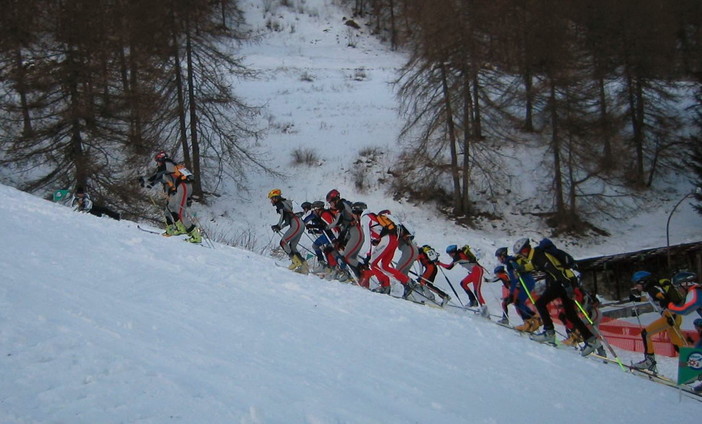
<point x="451" y="248"/>
<point x="499" y="269"/>
<point x="502" y="251"/>
<point x="684" y="278"/>
<point x="640" y="276"/>
<point x="698" y="323"/>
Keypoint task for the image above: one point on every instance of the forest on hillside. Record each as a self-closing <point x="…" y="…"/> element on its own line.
<point x="90" y="87"/>
<point x="611" y="90"/>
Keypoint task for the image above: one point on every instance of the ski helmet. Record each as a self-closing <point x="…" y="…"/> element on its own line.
<point x="306" y="206"/>
<point x="697" y="323"/>
<point x="500" y="252"/>
<point x="161" y="156"/>
<point x="520" y="245"/>
<point x="333" y="196"/>
<point x="684" y="278"/>
<point x="318" y="204"/>
<point x="385" y="212"/>
<point x="358" y="207"/>
<point x="275" y="193"/>
<point x="451" y="248"/>
<point x="499" y="269"/>
<point x="640" y="276"/>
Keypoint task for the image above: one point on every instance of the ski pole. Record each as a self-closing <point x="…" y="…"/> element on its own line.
<point x="451" y="285"/>
<point x="165" y="221"/>
<point x="599" y="335"/>
<point x="521" y="281"/>
<point x="204" y="232"/>
<point x="677" y="330"/>
<point x="429" y="284"/>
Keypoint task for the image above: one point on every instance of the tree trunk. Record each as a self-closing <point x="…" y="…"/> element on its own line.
<point x="529" y="100"/>
<point x="636" y="116"/>
<point x="77" y="150"/>
<point x="457" y="203"/>
<point x="22" y="91"/>
<point x="192" y="103"/>
<point x="605" y="126"/>
<point x="556" y="147"/>
<point x="180" y="89"/>
<point x="468" y="125"/>
<point x="393" y="29"/>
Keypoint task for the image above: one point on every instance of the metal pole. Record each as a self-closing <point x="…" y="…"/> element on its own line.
<point x="667" y="226"/>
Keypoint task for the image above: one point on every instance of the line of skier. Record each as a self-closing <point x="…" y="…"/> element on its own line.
<point x="347" y="231"/>
<point x="349" y="242"/>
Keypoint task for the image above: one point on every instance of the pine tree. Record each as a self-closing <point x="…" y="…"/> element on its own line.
<point x="695" y="160"/>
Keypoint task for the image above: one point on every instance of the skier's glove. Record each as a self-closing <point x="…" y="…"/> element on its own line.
<point x="569" y="290"/>
<point x="275" y="227"/>
<point x="670" y="319"/>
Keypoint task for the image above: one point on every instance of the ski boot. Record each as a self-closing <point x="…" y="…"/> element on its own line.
<point x="483" y="311"/>
<point x="592" y="344"/>
<point x="195" y="235"/>
<point x="409" y="288"/>
<point x="341" y="275"/>
<point x="382" y="290"/>
<point x="504" y="320"/>
<point x="546" y="336"/>
<point x="424" y="291"/>
<point x="175" y="229"/>
<point x="321" y="268"/>
<point x="444" y="300"/>
<point x="295" y="262"/>
<point x="648" y="363"/>
<point x="573" y="339"/>
<point x="302" y="266"/>
<point x="530" y="325"/>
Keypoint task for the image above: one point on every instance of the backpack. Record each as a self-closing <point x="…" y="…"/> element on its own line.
<point x="469" y="253"/>
<point x="564" y="258"/>
<point x="671" y="291"/>
<point x="387" y="223"/>
<point x="182" y="173"/>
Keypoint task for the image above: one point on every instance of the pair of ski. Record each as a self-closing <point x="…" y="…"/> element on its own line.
<point x="161" y="233"/>
<point x="685" y="390"/>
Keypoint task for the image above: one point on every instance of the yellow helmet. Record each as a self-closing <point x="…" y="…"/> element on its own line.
<point x="274" y="193"/>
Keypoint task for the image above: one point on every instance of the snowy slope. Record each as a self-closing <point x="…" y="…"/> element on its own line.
<point x="103" y="323"/>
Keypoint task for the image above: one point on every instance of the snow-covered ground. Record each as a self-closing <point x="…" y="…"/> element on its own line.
<point x="103" y="323"/>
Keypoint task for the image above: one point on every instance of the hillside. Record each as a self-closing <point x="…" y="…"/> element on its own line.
<point x="337" y="101"/>
<point x="102" y="322"/>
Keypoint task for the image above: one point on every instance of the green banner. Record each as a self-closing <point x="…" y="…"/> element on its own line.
<point x="61" y="195"/>
<point x="689" y="364"/>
